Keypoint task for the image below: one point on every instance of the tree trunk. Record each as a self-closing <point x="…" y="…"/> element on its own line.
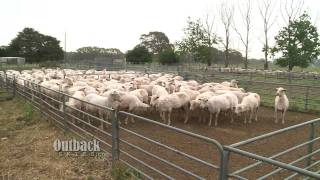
<point x="266" y="65"/>
<point x="227" y="58"/>
<point x="246" y="59"/>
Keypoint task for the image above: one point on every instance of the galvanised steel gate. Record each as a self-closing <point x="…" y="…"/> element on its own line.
<point x="297" y="158"/>
<point x="157" y="157"/>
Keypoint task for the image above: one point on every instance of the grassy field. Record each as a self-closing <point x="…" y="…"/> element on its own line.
<point x="26" y="143"/>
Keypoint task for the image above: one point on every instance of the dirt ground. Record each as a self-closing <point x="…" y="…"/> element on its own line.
<point x="26" y="145"/>
<point x="26" y="148"/>
<point x="226" y="133"/>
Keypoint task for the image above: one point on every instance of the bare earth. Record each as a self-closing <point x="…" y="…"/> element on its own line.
<point x="27" y="152"/>
<point x="26" y="148"/>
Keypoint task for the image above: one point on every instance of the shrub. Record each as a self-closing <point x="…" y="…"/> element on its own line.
<point x="168" y="56"/>
<point x="138" y="55"/>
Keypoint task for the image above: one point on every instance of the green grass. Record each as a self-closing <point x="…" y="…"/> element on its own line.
<point x="122" y="172"/>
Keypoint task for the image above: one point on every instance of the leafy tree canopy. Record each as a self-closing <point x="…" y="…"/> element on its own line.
<point x="35" y="47"/>
<point x="89" y="52"/>
<point x="155" y="42"/>
<point x="298" y="43"/>
<point x="197" y="41"/>
<point x="139" y="54"/>
<point x="168" y="56"/>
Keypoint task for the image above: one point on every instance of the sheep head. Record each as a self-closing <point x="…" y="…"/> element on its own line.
<point x="280" y="91"/>
<point x="239" y="109"/>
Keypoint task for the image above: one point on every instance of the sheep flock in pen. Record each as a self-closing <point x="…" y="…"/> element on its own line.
<point x="143" y="93"/>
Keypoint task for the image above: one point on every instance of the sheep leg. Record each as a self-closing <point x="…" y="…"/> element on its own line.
<point x="276" y="116"/>
<point x="200" y="119"/>
<point x="169" y="118"/>
<point x="232" y="120"/>
<point x="132" y="119"/>
<point x="251" y="114"/>
<point x="245" y="117"/>
<point x="126" y="120"/>
<point x="163" y="117"/>
<point x="210" y="120"/>
<point x="187" y="114"/>
<point x="216" y="120"/>
<point x="283" y="114"/>
<point x="256" y="118"/>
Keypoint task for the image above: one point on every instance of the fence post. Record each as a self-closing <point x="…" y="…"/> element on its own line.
<point x="115" y="137"/>
<point x="310" y="146"/>
<point x="7" y="88"/>
<point x="289" y="77"/>
<point x="224" y="164"/>
<point x="64" y="112"/>
<point x="14" y="87"/>
<point x="40" y="97"/>
<point x="24" y="88"/>
<point x="306" y="98"/>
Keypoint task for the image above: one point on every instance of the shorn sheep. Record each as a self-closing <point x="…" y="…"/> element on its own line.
<point x="281" y="103"/>
<point x="166" y="103"/>
<point x="249" y="105"/>
<point x="218" y="104"/>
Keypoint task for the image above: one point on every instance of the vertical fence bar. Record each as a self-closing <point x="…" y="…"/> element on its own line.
<point x="65" y="118"/>
<point x="24" y="88"/>
<point x="306" y="99"/>
<point x="224" y="165"/>
<point x="7" y="88"/>
<point x="14" y="87"/>
<point x="310" y="146"/>
<point x="115" y="137"/>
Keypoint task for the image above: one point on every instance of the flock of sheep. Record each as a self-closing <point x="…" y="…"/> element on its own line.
<point x="141" y="93"/>
<point x="279" y="73"/>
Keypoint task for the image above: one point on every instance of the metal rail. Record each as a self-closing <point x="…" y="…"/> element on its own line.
<point x="32" y="92"/>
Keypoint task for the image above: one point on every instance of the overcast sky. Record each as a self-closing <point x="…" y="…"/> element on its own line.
<point x="119" y="23"/>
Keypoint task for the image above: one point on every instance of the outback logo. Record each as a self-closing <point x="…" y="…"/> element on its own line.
<point x="75" y="145"/>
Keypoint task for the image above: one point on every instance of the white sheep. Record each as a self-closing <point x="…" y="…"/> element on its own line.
<point x="142" y="94"/>
<point x="111" y="101"/>
<point x="219" y="103"/>
<point x="131" y="103"/>
<point x="166" y="103"/>
<point x="250" y="104"/>
<point x="281" y="103"/>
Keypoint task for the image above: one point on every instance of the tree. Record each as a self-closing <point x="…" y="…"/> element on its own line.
<point x="198" y="39"/>
<point x="89" y="53"/>
<point x="35" y="47"/>
<point x="168" y="56"/>
<point x="155" y="42"/>
<point x="290" y="11"/>
<point x="139" y="54"/>
<point x="246" y="16"/>
<point x="235" y="57"/>
<point x="226" y="14"/>
<point x="4" y="51"/>
<point x="266" y="9"/>
<point x="298" y="43"/>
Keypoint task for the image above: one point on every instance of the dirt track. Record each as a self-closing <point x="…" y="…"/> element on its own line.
<point x="226" y="133"/>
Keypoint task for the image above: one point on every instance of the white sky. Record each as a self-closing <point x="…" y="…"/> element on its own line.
<point x="119" y="23"/>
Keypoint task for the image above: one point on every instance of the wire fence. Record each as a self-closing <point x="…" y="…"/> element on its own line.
<point x="132" y="147"/>
<point x="302" y="93"/>
<point x="158" y="157"/>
